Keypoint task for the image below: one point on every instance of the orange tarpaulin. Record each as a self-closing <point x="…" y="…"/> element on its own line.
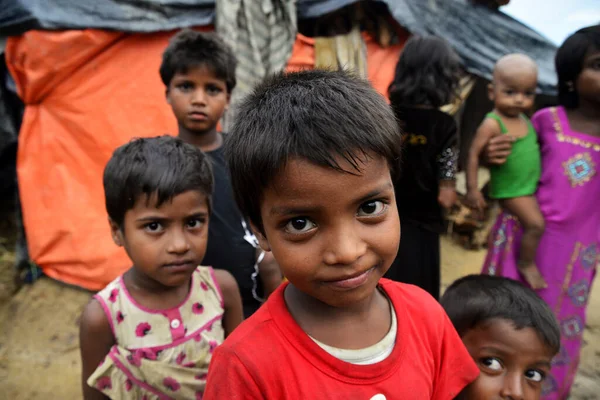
<point x="86" y="93"/>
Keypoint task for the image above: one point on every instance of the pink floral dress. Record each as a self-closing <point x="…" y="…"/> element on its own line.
<point x="160" y="354"/>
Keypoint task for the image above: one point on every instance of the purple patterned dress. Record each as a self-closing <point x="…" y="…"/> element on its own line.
<point x="569" y="251"/>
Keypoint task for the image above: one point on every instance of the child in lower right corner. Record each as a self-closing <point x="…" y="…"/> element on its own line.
<point x="509" y="331"/>
<point x="515" y="182"/>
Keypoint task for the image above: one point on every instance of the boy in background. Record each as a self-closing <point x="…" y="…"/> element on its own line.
<point x="198" y="70"/>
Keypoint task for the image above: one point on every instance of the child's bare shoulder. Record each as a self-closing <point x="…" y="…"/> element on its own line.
<point x="94" y="320"/>
<point x="490" y="125"/>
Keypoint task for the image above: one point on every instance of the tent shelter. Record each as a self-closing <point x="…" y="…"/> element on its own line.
<point x="87" y="73"/>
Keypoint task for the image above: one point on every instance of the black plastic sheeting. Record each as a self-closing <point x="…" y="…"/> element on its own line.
<point x="479" y="35"/>
<point x="18" y="16"/>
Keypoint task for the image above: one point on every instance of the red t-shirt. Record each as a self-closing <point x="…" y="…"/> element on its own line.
<point x="270" y="357"/>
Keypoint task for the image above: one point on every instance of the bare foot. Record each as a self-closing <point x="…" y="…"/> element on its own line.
<point x="532" y="276"/>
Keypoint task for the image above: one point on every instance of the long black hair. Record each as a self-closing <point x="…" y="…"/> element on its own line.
<point x="569" y="62"/>
<point x="427" y="73"/>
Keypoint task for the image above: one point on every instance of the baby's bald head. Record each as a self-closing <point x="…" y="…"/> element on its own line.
<point x="513" y="87"/>
<point x="515" y="65"/>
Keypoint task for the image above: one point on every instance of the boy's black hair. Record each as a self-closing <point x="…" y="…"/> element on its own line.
<point x="476" y="299"/>
<point x="164" y="165"/>
<point x="315" y="115"/>
<point x="189" y="49"/>
<point x="427" y="73"/>
<point x="569" y="62"/>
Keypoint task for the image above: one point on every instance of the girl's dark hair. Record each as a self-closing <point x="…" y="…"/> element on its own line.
<point x="477" y="299"/>
<point x="164" y="165"/>
<point x="427" y="73"/>
<point x="569" y="62"/>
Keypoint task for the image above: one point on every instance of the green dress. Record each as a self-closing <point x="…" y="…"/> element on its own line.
<point x="520" y="174"/>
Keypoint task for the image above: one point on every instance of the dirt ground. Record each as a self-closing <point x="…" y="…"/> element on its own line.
<point x="39" y="353"/>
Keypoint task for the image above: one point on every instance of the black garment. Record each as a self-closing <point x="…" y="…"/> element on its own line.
<point x="429" y="156"/>
<point x="227" y="249"/>
<point x="418" y="259"/>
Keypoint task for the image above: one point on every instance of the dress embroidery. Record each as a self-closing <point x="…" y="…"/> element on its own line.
<point x="589" y="256"/>
<point x="572" y="327"/>
<point x="579" y="292"/>
<point x="580" y="169"/>
<point x="447" y="162"/>
<point x="561" y="137"/>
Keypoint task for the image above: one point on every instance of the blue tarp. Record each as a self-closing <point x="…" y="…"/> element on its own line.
<point x="18" y="16"/>
<point x="479" y="35"/>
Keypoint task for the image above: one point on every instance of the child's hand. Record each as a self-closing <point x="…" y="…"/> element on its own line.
<point x="447" y="197"/>
<point x="475" y="200"/>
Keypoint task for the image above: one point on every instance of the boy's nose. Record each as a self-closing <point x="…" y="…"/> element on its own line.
<point x="345" y="246"/>
<point x="199" y="97"/>
<point x="513" y="387"/>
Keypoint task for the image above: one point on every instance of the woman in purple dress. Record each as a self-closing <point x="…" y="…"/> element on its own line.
<point x="569" y="198"/>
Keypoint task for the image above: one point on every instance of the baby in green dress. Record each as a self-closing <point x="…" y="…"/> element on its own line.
<point x="513" y="183"/>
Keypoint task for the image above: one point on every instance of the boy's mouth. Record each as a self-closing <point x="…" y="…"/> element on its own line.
<point x="352" y="282"/>
<point x="198" y="116"/>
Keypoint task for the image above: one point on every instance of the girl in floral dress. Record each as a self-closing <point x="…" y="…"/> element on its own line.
<point x="151" y="332"/>
<point x="568" y="195"/>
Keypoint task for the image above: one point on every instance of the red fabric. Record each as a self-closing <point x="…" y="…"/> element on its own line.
<point x="270" y="357"/>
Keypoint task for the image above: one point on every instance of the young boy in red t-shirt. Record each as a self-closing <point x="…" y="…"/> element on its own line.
<point x="310" y="157"/>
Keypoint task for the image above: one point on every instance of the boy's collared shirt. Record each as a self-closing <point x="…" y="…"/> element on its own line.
<point x="270" y="357"/>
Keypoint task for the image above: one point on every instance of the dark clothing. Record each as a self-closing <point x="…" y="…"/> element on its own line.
<point x="227" y="249"/>
<point x="418" y="259"/>
<point x="429" y="156"/>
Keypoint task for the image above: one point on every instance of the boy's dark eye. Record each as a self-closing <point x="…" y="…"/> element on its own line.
<point x="195" y="223"/>
<point x="214" y="89"/>
<point x="492" y="363"/>
<point x="299" y="225"/>
<point x="371" y="208"/>
<point x="185" y="86"/>
<point x="153" y="227"/>
<point x="535" y="375"/>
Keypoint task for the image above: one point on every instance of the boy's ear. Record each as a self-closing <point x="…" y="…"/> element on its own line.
<point x="262" y="240"/>
<point x="116" y="232"/>
<point x="228" y="101"/>
<point x="491" y="91"/>
<point x="167" y="96"/>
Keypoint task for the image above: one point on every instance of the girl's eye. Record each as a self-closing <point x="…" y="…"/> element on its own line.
<point x="299" y="225"/>
<point x="535" y="375"/>
<point x="153" y="227"/>
<point x="372" y="208"/>
<point x="492" y="363"/>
